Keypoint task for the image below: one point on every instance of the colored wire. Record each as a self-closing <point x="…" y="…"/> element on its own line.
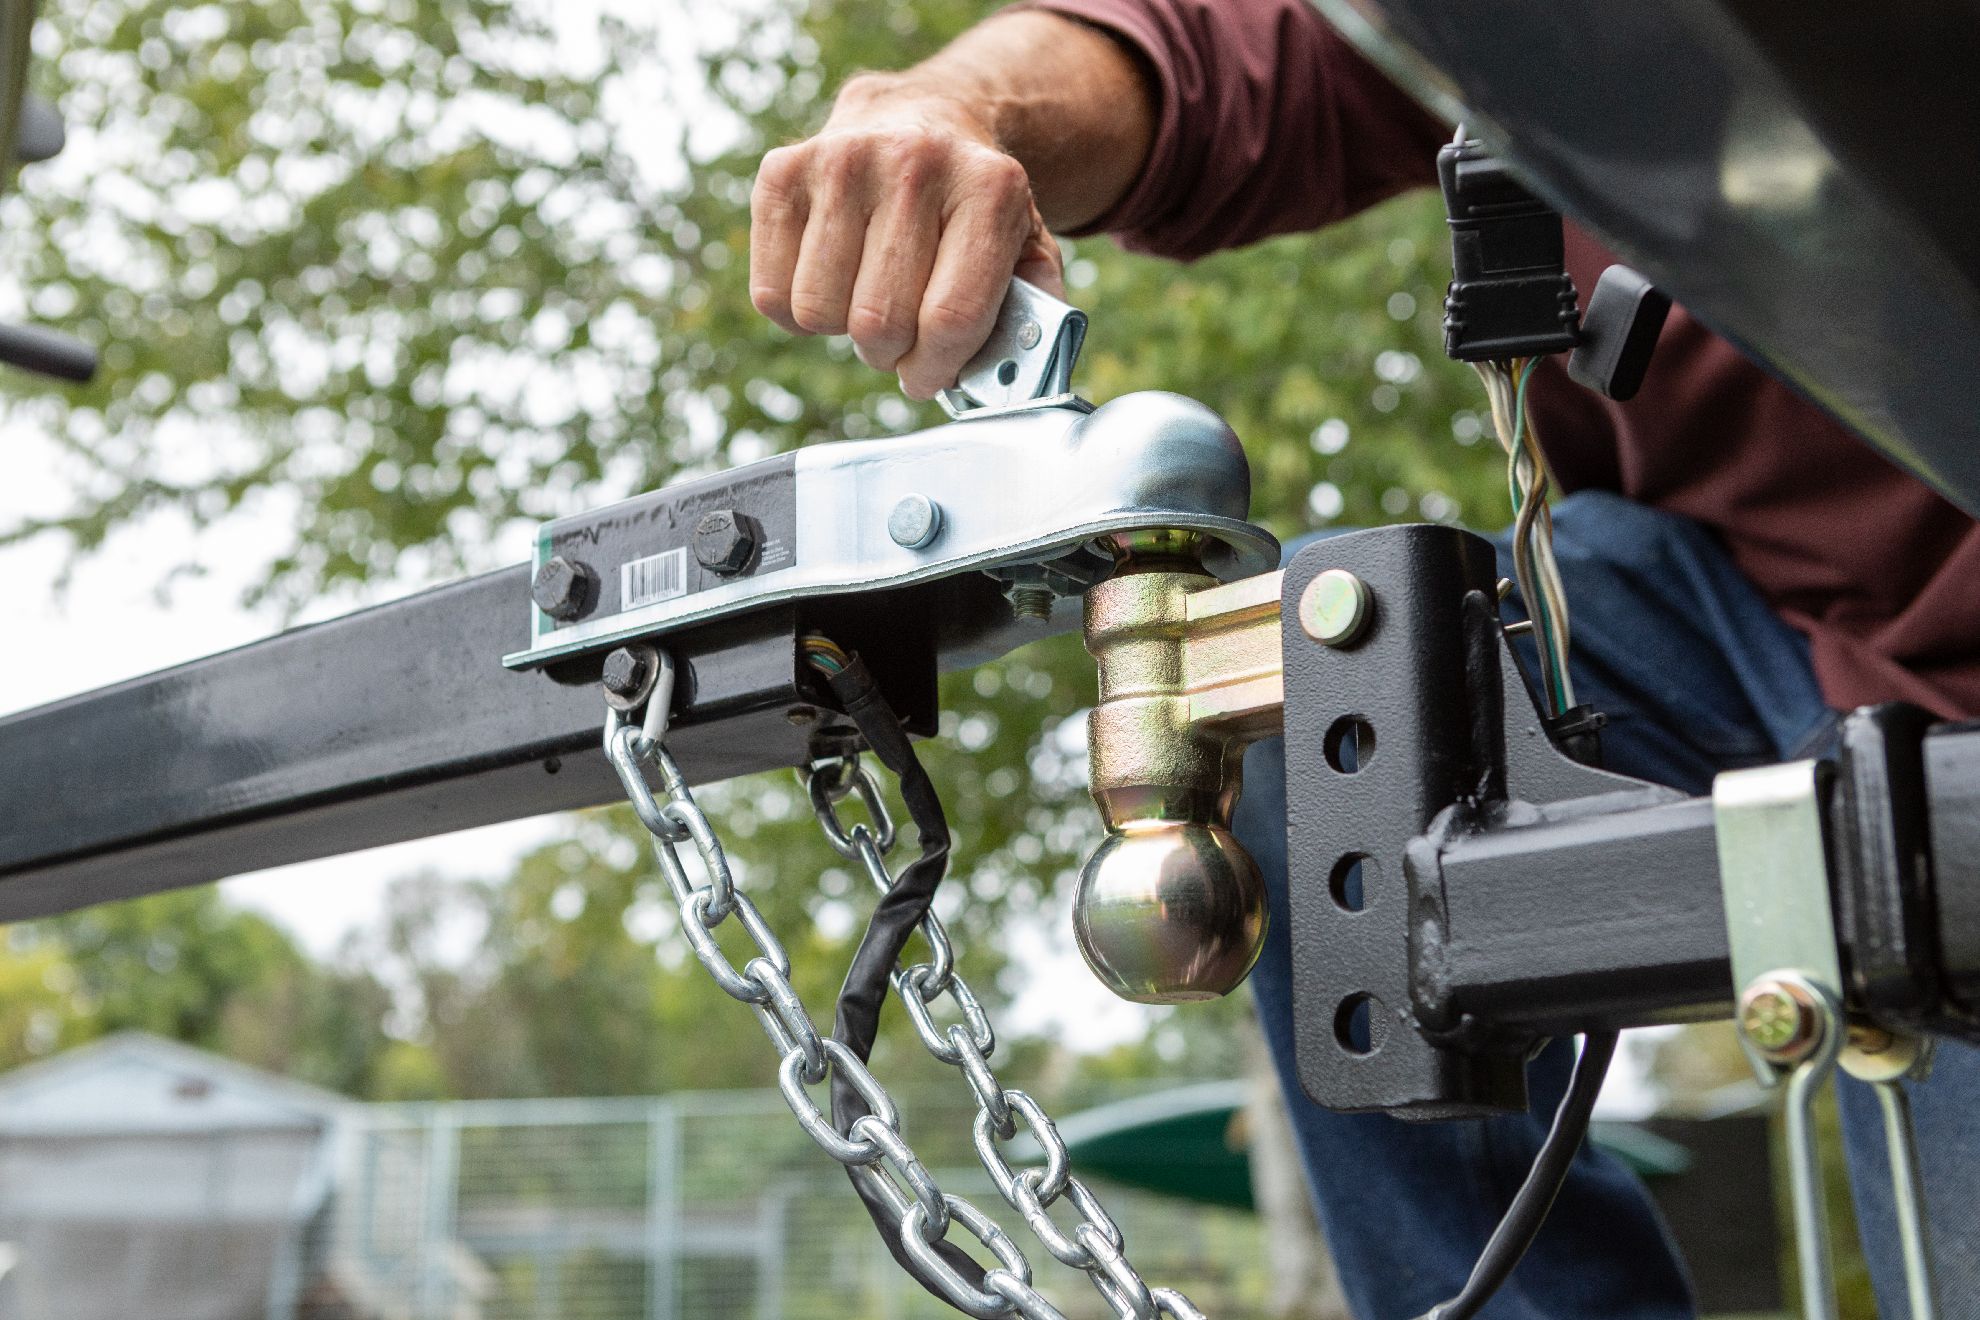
<point x="1497" y="378"/>
<point x="1553" y="590"/>
<point x="823" y="654"/>
<point x="1534" y="543"/>
<point x="1528" y="481"/>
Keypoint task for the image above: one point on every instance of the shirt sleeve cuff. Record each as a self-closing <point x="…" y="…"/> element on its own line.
<point x="1133" y="26"/>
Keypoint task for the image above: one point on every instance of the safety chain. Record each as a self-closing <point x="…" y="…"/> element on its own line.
<point x="873" y="1148"/>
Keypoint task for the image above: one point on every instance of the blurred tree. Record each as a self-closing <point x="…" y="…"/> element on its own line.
<point x="417" y="273"/>
<point x="193" y="967"/>
<point x="39" y="1013"/>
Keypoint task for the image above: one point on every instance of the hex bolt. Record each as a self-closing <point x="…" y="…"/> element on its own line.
<point x="1779" y="1019"/>
<point x="1335" y="608"/>
<point x="724" y="541"/>
<point x="915" y="521"/>
<point x="625" y="674"/>
<point x="563" y="589"/>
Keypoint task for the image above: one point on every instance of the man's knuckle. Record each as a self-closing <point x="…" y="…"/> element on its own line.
<point x="1006" y="180"/>
<point x="817" y="313"/>
<point x="917" y="165"/>
<point x="842" y="158"/>
<point x="779" y="174"/>
<point x="949" y="321"/>
<point x="879" y="327"/>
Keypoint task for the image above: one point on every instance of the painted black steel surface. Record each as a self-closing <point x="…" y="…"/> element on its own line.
<point x="1886" y="913"/>
<point x="1589" y="915"/>
<point x="389" y="724"/>
<point x="1952" y="778"/>
<point x="1406" y="680"/>
<point x="1510" y="893"/>
<point x="1801" y="177"/>
<point x="702" y="533"/>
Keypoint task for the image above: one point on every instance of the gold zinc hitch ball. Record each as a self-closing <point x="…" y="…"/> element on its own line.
<point x="1170" y="908"/>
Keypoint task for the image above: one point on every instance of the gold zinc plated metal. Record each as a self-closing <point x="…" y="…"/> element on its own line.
<point x="1170" y="908"/>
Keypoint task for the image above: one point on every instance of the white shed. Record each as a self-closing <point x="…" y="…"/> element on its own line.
<point x="139" y="1177"/>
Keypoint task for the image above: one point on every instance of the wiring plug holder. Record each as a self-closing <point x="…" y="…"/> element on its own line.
<point x="1510" y="293"/>
<point x="1625" y="315"/>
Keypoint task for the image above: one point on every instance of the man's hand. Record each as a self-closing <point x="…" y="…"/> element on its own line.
<point x="903" y="221"/>
<point x="901" y="225"/>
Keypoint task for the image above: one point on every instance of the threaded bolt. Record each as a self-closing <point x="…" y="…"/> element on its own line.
<point x="563" y="588"/>
<point x="1031" y="601"/>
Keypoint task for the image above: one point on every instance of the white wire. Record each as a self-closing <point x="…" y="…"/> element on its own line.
<point x="1550" y="570"/>
<point x="1534" y="563"/>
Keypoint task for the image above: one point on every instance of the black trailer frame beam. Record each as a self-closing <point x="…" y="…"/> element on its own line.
<point x="394" y="723"/>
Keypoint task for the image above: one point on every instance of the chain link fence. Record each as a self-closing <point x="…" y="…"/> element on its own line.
<point x="692" y="1207"/>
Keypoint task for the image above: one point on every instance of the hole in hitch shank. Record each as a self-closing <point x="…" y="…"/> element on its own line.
<point x="1345" y="881"/>
<point x="1350" y="744"/>
<point x="1357" y="1026"/>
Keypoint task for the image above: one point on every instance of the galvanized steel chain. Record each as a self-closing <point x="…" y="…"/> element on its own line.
<point x="873" y="1148"/>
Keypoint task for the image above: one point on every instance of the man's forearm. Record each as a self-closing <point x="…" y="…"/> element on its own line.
<point x="1068" y="100"/>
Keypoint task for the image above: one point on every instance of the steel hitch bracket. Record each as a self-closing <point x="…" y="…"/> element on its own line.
<point x="1028" y="497"/>
<point x="1030" y="487"/>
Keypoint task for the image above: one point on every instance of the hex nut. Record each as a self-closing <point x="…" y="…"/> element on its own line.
<point x="625" y="673"/>
<point x="1335" y="608"/>
<point x="1779" y="1019"/>
<point x="564" y="589"/>
<point x="725" y="541"/>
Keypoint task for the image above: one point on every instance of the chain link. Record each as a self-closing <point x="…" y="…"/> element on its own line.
<point x="874" y="1149"/>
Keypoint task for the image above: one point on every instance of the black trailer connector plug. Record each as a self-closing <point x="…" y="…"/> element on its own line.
<point x="1510" y="293"/>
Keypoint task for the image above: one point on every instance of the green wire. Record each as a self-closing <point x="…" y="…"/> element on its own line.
<point x="1537" y="607"/>
<point x="824" y="661"/>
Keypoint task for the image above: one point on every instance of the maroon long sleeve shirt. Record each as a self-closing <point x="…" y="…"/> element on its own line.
<point x="1270" y="122"/>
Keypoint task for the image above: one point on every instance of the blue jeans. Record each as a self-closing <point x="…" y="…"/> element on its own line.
<point x="1696" y="675"/>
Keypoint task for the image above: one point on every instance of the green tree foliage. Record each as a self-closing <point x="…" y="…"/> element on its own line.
<point x="193" y="967"/>
<point x="425" y="271"/>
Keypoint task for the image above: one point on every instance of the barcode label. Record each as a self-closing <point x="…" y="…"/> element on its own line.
<point x="653" y="579"/>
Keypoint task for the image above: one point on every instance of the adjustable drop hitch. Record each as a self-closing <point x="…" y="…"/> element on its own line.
<point x="1427" y="797"/>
